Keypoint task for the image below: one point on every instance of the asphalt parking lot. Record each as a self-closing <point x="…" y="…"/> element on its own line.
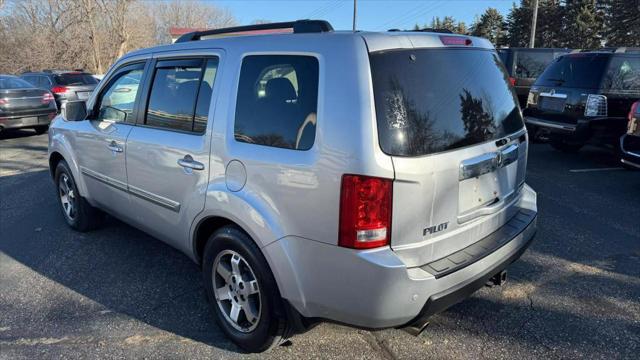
<point x="118" y="293"/>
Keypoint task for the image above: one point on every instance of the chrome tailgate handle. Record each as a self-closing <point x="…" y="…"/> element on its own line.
<point x="188" y="162"/>
<point x="488" y="162"/>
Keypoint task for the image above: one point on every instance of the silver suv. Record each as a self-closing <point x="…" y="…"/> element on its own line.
<point x="371" y="179"/>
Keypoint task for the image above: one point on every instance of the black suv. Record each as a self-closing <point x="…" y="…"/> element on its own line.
<point x="65" y="85"/>
<point x="585" y="97"/>
<point x="524" y="65"/>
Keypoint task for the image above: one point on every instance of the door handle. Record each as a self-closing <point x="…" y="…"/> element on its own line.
<point x="113" y="146"/>
<point x="188" y="162"/>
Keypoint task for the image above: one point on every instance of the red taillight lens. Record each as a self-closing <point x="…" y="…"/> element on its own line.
<point x="455" y="40"/>
<point x="59" y="89"/>
<point x="3" y="102"/>
<point x="512" y="81"/>
<point x="365" y="212"/>
<point x="635" y="109"/>
<point x="47" y="98"/>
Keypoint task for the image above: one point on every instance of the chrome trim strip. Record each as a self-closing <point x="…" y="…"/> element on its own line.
<point x="156" y="199"/>
<point x="553" y="95"/>
<point x="534" y="121"/>
<point x="142" y="194"/>
<point x="104" y="179"/>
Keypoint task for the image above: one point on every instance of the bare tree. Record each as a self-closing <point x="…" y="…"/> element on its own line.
<point x="191" y="14"/>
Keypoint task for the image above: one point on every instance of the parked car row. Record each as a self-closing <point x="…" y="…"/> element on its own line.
<point x="33" y="99"/>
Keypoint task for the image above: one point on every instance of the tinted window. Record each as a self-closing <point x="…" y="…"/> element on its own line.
<point x="530" y="64"/>
<point x="434" y="100"/>
<point x="623" y="73"/>
<point x="116" y="102"/>
<point x="576" y="70"/>
<point x="43" y="82"/>
<point x="71" y="79"/>
<point x="175" y="90"/>
<point x="13" y="83"/>
<point x="277" y="101"/>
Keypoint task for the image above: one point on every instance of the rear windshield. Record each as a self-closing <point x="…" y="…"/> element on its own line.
<point x="75" y="79"/>
<point x="434" y="100"/>
<point x="13" y="83"/>
<point x="530" y="64"/>
<point x="576" y="71"/>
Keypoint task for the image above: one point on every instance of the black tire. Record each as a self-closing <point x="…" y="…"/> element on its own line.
<point x="564" y="146"/>
<point x="273" y="327"/>
<point x="85" y="217"/>
<point x="41" y="129"/>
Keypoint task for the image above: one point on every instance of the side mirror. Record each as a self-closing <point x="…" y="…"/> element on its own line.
<point x="74" y="110"/>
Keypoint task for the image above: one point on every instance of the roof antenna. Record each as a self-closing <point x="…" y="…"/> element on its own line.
<point x="355" y="8"/>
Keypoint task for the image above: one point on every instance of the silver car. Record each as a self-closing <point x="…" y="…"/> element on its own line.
<point x="371" y="179"/>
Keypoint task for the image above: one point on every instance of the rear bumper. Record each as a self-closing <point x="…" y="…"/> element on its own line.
<point x="603" y="129"/>
<point x="25" y="121"/>
<point x="374" y="288"/>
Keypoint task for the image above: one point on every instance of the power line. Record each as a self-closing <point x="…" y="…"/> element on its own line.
<point x="412" y="16"/>
<point x="322" y="9"/>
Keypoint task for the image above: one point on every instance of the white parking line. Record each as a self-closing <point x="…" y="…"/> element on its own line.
<point x="595" y="169"/>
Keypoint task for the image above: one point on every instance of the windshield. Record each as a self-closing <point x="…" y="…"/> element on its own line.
<point x="72" y="79"/>
<point x="576" y="70"/>
<point x="14" y="83"/>
<point x="434" y="100"/>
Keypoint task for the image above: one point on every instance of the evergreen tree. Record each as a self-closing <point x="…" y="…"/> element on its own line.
<point x="623" y="22"/>
<point x="490" y="25"/>
<point x="583" y="25"/>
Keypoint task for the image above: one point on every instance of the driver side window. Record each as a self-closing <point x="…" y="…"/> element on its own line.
<point x="117" y="99"/>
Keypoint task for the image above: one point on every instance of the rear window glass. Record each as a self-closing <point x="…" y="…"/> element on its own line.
<point x="623" y="73"/>
<point x="530" y="64"/>
<point x="13" y="83"/>
<point x="576" y="70"/>
<point x="75" y="79"/>
<point x="434" y="100"/>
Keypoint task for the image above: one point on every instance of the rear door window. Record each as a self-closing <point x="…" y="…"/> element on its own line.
<point x="623" y="73"/>
<point x="75" y="79"/>
<point x="434" y="100"/>
<point x="576" y="71"/>
<point x="530" y="64"/>
<point x="181" y="94"/>
<point x="277" y="101"/>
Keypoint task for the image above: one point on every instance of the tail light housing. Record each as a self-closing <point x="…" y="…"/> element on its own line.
<point x="512" y="81"/>
<point x="596" y="105"/>
<point x="3" y="102"/>
<point x="47" y="98"/>
<point x="59" y="89"/>
<point x="455" y="40"/>
<point x="365" y="212"/>
<point x="633" y="117"/>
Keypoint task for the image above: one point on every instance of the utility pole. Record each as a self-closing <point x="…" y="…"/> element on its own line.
<point x="534" y="20"/>
<point x="355" y="8"/>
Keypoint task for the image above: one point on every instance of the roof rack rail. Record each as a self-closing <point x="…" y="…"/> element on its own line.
<point x="298" y="27"/>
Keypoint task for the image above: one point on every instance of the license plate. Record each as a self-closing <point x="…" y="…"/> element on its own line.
<point x="32" y="120"/>
<point x="83" y="95"/>
<point x="555" y="104"/>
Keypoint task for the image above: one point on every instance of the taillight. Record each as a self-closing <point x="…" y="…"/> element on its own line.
<point x="365" y="212"/>
<point x="3" y="102"/>
<point x="512" y="81"/>
<point x="633" y="115"/>
<point x="47" y="98"/>
<point x="455" y="40"/>
<point x="59" y="89"/>
<point x="596" y="105"/>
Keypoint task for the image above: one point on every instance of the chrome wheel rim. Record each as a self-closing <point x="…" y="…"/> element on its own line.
<point x="237" y="291"/>
<point x="67" y="196"/>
